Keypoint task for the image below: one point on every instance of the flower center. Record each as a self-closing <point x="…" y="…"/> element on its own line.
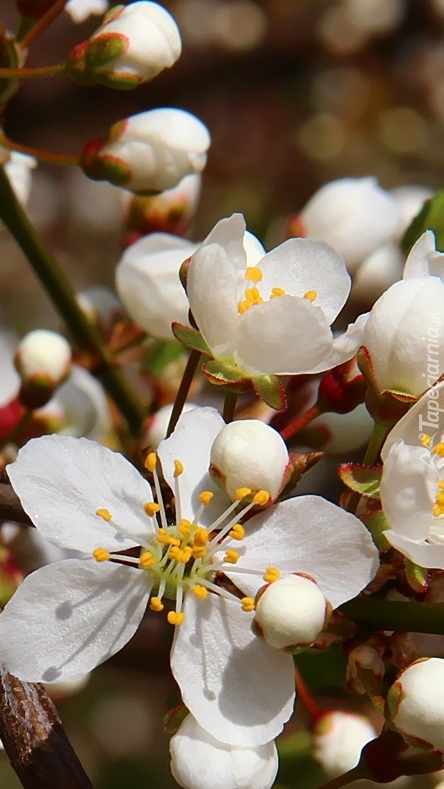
<point x="186" y="557"/>
<point x="253" y="276"/>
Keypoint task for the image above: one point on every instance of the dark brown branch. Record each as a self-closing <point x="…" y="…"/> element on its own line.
<point x="34" y="739"/>
<point x="10" y="507"/>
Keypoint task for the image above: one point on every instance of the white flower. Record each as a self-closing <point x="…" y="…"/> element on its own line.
<point x="158" y="424"/>
<point x="251" y="451"/>
<point x="79" y="10"/>
<point x="406" y="321"/>
<point x="273" y="318"/>
<point x="133" y="45"/>
<point x="338" y="739"/>
<point x="412" y="483"/>
<point x="377" y="272"/>
<point x="410" y="198"/>
<point x="72" y="615"/>
<point x="353" y="215"/>
<point x="44" y="353"/>
<point x="170" y="211"/>
<point x="199" y="761"/>
<point x="416" y="702"/>
<point x="149" y="152"/>
<point x="148" y="282"/>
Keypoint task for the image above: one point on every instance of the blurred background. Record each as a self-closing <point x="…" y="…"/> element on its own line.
<point x="295" y="93"/>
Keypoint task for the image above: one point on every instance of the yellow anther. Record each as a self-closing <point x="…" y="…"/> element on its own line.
<point x="240" y="493"/>
<point x="146" y="560"/>
<point x="178" y="468"/>
<point x="261" y="498"/>
<point x="104" y="513"/>
<point x="151" y="461"/>
<point x="184" y="555"/>
<point x="151" y="508"/>
<point x="243" y="306"/>
<point x="201" y="537"/>
<point x="426" y="439"/>
<point x="174" y="552"/>
<point x="248" y="604"/>
<point x="101" y="555"/>
<point x="276" y="292"/>
<point x="200" y="591"/>
<point x="199" y="552"/>
<point x="237" y="532"/>
<point x="437" y="510"/>
<point x="253" y="296"/>
<point x="253" y="274"/>
<point x="205" y="497"/>
<point x="175" y="617"/>
<point x="440" y="497"/>
<point x="271" y="575"/>
<point x="439" y="449"/>
<point x="310" y="295"/>
<point x="156" y="604"/>
<point x="173" y="541"/>
<point x="232" y="557"/>
<point x="441" y="484"/>
<point x="163" y="535"/>
<point x="184" y="527"/>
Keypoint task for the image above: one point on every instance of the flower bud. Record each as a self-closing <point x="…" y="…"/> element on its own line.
<point x="79" y="10"/>
<point x="249" y="453"/>
<point x="133" y="45"/>
<point x="148" y="152"/>
<point x="102" y="307"/>
<point x="338" y="739"/>
<point x="168" y="212"/>
<point x="199" y="761"/>
<point x="416" y="703"/>
<point x="290" y="612"/>
<point x="43" y="360"/>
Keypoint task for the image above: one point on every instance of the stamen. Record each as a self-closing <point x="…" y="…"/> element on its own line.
<point x="146" y="560"/>
<point x="243" y="306"/>
<point x="175" y="617"/>
<point x="271" y="575"/>
<point x="311" y="295"/>
<point x="200" y="591"/>
<point x="247" y="604"/>
<point x="101" y="555"/>
<point x="151" y="462"/>
<point x="205" y="497"/>
<point x="178" y="468"/>
<point x="237" y="532"/>
<point x="253" y="274"/>
<point x="240" y="493"/>
<point x="156" y="604"/>
<point x="276" y="292"/>
<point x="201" y="536"/>
<point x="231" y="556"/>
<point x="261" y="498"/>
<point x="151" y="508"/>
<point x="184" y="527"/>
<point x="104" y="513"/>
<point x="439" y="449"/>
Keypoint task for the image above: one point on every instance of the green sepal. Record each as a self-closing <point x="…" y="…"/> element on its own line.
<point x="269" y="389"/>
<point x="430" y="217"/>
<point x="377" y="524"/>
<point x="104" y="49"/>
<point x="365" y="480"/>
<point x="191" y="338"/>
<point x="417" y="577"/>
<point x="174" y="718"/>
<point x="222" y="374"/>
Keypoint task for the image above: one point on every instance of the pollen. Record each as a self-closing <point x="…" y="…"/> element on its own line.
<point x="104" y="513"/>
<point x="253" y="274"/>
<point x="151" y="508"/>
<point x="311" y="295"/>
<point x="200" y="591"/>
<point x="276" y="292"/>
<point x="185" y="527"/>
<point x="163" y="536"/>
<point x="178" y="468"/>
<point x="199" y="551"/>
<point x="237" y="532"/>
<point x="271" y="575"/>
<point x="146" y="560"/>
<point x="101" y="555"/>
<point x="201" y="537"/>
<point x="232" y="557"/>
<point x="241" y="493"/>
<point x="439" y="449"/>
<point x="205" y="497"/>
<point x="175" y="617"/>
<point x="261" y="498"/>
<point x="156" y="604"/>
<point x="151" y="461"/>
<point x="248" y="604"/>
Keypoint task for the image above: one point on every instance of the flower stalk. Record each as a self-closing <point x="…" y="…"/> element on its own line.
<point x="64" y="159"/>
<point x="184" y="388"/>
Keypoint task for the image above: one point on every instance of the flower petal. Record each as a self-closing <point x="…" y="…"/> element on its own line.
<point x="239" y="689"/>
<point x="423" y="417"/>
<point x="229" y="233"/>
<point x="287" y="335"/>
<point x="344" y="346"/>
<point x="70" y="616"/>
<point x="300" y="265"/>
<point x="62" y="481"/>
<point x="423" y="554"/>
<point x="311" y="535"/>
<point x="424" y="259"/>
<point x="408" y="506"/>
<point x="191" y="443"/>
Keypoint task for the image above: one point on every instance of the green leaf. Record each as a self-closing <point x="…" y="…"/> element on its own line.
<point x="269" y="389"/>
<point x="431" y="217"/>
<point x="191" y="338"/>
<point x="364" y="480"/>
<point x="417" y="577"/>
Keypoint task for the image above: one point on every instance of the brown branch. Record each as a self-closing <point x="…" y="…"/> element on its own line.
<point x="34" y="739"/>
<point x="10" y="506"/>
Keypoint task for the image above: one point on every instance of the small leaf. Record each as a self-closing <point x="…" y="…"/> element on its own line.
<point x="430" y="217"/>
<point x="173" y="719"/>
<point x="365" y="480"/>
<point x="191" y="338"/>
<point x="417" y="577"/>
<point x="269" y="389"/>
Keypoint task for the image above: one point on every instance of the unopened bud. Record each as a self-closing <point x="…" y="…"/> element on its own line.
<point x="102" y="307"/>
<point x="43" y="360"/>
<point x="79" y="10"/>
<point x="148" y="152"/>
<point x="416" y="703"/>
<point x="251" y="454"/>
<point x="168" y="212"/>
<point x="338" y="739"/>
<point x="133" y="45"/>
<point x="290" y="612"/>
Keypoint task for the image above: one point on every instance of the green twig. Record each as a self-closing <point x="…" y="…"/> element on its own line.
<point x="395" y="615"/>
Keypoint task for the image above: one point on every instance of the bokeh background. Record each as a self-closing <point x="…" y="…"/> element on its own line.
<point x="295" y="93"/>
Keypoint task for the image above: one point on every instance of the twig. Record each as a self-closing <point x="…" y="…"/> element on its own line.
<point x="10" y="506"/>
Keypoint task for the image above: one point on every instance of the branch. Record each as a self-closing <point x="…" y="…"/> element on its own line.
<point x="34" y="739"/>
<point x="10" y="506"/>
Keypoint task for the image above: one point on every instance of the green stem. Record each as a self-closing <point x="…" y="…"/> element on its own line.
<point x="377" y="438"/>
<point x="342" y="780"/>
<point x="184" y="388"/>
<point x="300" y="422"/>
<point x="66" y="159"/>
<point x="63" y="296"/>
<point x="42" y="24"/>
<point x="229" y="405"/>
<point x="30" y="73"/>
<point x="395" y="615"/>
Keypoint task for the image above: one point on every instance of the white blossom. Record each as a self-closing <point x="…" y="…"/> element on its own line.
<point x="338" y="739"/>
<point x="79" y="10"/>
<point x="45" y="354"/>
<point x="416" y="702"/>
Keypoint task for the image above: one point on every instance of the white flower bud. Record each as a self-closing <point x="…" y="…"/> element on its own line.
<point x="377" y="272"/>
<point x="167" y="212"/>
<point x="410" y="199"/>
<point x="79" y="10"/>
<point x="338" y="739"/>
<point x="416" y="702"/>
<point x="149" y="152"/>
<point x="43" y="360"/>
<point x="353" y="215"/>
<point x="249" y="453"/>
<point x="198" y="761"/>
<point x="158" y="424"/>
<point x="290" y="612"/>
<point x="102" y="307"/>
<point x="134" y="44"/>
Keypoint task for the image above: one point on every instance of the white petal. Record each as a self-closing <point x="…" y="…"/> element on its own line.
<point x="300" y="265"/>
<point x="423" y="554"/>
<point x="424" y="259"/>
<point x="287" y="335"/>
<point x="422" y="418"/>
<point x="311" y="535"/>
<point x="344" y="346"/>
<point x="230" y="234"/>
<point x="239" y="689"/>
<point x="62" y="481"/>
<point x="191" y="443"/>
<point x="68" y="617"/>
<point x="408" y="490"/>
